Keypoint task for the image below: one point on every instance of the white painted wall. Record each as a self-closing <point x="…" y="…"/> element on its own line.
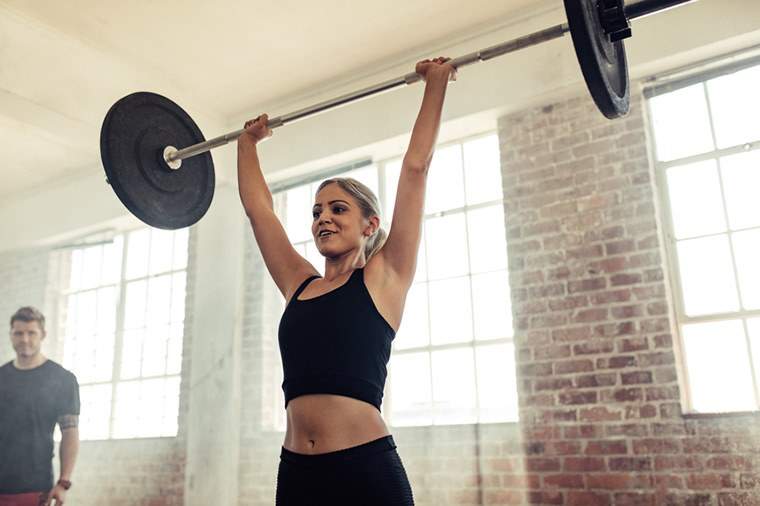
<point x="378" y="126"/>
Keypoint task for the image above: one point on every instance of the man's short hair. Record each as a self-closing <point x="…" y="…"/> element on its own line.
<point x="29" y="314"/>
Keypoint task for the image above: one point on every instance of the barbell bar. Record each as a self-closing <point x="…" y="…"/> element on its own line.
<point x="141" y="132"/>
<point x="633" y="11"/>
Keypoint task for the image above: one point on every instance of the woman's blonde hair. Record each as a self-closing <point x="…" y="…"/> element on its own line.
<point x="369" y="205"/>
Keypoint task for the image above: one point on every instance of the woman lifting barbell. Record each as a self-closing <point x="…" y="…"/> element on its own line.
<point x="336" y="331"/>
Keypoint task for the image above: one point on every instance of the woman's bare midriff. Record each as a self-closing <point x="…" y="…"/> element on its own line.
<point x="322" y="423"/>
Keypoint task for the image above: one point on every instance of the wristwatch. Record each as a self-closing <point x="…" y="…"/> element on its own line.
<point x="66" y="484"/>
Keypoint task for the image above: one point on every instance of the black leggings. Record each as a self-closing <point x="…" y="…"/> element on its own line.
<point x="366" y="475"/>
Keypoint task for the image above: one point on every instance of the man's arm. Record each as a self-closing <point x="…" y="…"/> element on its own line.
<point x="67" y="450"/>
<point x="69" y="447"/>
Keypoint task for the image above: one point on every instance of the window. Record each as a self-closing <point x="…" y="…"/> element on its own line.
<point x="453" y="357"/>
<point x="708" y="167"/>
<point x="122" y="323"/>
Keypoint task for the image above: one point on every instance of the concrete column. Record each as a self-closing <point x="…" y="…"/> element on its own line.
<point x="213" y="418"/>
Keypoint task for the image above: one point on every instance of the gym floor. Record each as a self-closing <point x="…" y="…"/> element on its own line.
<point x="585" y="326"/>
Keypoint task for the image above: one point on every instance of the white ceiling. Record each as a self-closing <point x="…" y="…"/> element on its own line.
<point x="63" y="63"/>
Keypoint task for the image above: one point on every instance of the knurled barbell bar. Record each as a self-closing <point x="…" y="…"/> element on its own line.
<point x="141" y="132"/>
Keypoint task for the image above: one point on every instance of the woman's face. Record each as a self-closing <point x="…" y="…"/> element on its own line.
<point x="338" y="224"/>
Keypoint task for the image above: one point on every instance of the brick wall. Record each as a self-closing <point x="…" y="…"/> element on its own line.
<point x="599" y="395"/>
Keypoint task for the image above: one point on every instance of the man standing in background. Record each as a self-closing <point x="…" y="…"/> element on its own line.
<point x="35" y="394"/>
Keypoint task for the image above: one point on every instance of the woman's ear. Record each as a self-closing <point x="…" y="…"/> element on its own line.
<point x="372" y="227"/>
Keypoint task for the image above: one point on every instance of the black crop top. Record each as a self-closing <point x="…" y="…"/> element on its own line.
<point x="335" y="343"/>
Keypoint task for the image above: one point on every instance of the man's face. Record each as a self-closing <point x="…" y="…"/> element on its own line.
<point x="26" y="338"/>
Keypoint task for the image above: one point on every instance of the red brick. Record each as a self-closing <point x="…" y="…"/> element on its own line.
<point x="578" y="398"/>
<point x="588" y="499"/>
<point x="583" y="464"/>
<point x="600" y="414"/>
<point x="625" y="279"/>
<point x="573" y="366"/>
<point x="636" y="377"/>
<point x="616" y="362"/>
<point x="606" y="448"/>
<point x="590" y="315"/>
<point x="595" y="380"/>
<point x="594" y="347"/>
<point x="710" y="481"/>
<point x="542" y="464"/>
<point x="656" y="446"/>
<point x="630" y="464"/>
<point x="564" y="481"/>
<point x="632" y="344"/>
<point x="586" y="285"/>
<point x="635" y="499"/>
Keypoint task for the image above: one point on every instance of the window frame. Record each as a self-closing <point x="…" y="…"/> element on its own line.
<point x="120" y="286"/>
<point x="665" y="215"/>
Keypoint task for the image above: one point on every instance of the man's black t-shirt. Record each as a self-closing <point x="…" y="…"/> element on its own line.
<point x="31" y="400"/>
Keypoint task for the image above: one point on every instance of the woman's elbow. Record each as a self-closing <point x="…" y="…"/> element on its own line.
<point x="416" y="164"/>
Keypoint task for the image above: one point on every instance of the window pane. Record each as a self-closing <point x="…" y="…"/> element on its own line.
<point x="298" y="213"/>
<point x="137" y="253"/>
<point x="681" y="123"/>
<point x="718" y="365"/>
<point x="92" y="259"/>
<point x="135" y="308"/>
<point x="420" y="274"/>
<point x="445" y="181"/>
<point x="707" y="276"/>
<point x="112" y="260"/>
<point x="492" y="306"/>
<point x="179" y="281"/>
<point x="154" y="351"/>
<point x="450" y="311"/>
<point x="497" y="383"/>
<point x="131" y="353"/>
<point x="392" y="173"/>
<point x="736" y="113"/>
<point x="161" y="250"/>
<point x="147" y="408"/>
<point x="482" y="170"/>
<point x="106" y="316"/>
<point x="747" y="253"/>
<point x="446" y="240"/>
<point x="101" y="369"/>
<point x="454" y="386"/>
<point x="75" y="279"/>
<point x="181" y="238"/>
<point x="366" y="175"/>
<point x="127" y="410"/>
<point x="487" y="237"/>
<point x="96" y="411"/>
<point x="87" y="311"/>
<point x="695" y="199"/>
<point x="315" y="257"/>
<point x="414" y="330"/>
<point x="410" y="389"/>
<point x="159" y="300"/>
<point x="741" y="181"/>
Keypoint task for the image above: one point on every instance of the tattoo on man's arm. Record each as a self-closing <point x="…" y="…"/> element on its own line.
<point x="68" y="421"/>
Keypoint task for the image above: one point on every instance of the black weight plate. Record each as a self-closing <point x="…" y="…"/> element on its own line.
<point x="603" y="63"/>
<point x="134" y="134"/>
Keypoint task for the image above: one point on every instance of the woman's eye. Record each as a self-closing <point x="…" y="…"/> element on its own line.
<point x="338" y="209"/>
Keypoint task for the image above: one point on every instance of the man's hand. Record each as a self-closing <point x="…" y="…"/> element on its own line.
<point x="59" y="494"/>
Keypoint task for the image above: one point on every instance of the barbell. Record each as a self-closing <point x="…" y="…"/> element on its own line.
<point x="158" y="163"/>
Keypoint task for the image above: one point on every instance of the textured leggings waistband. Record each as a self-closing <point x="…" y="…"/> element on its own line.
<point x="377" y="446"/>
